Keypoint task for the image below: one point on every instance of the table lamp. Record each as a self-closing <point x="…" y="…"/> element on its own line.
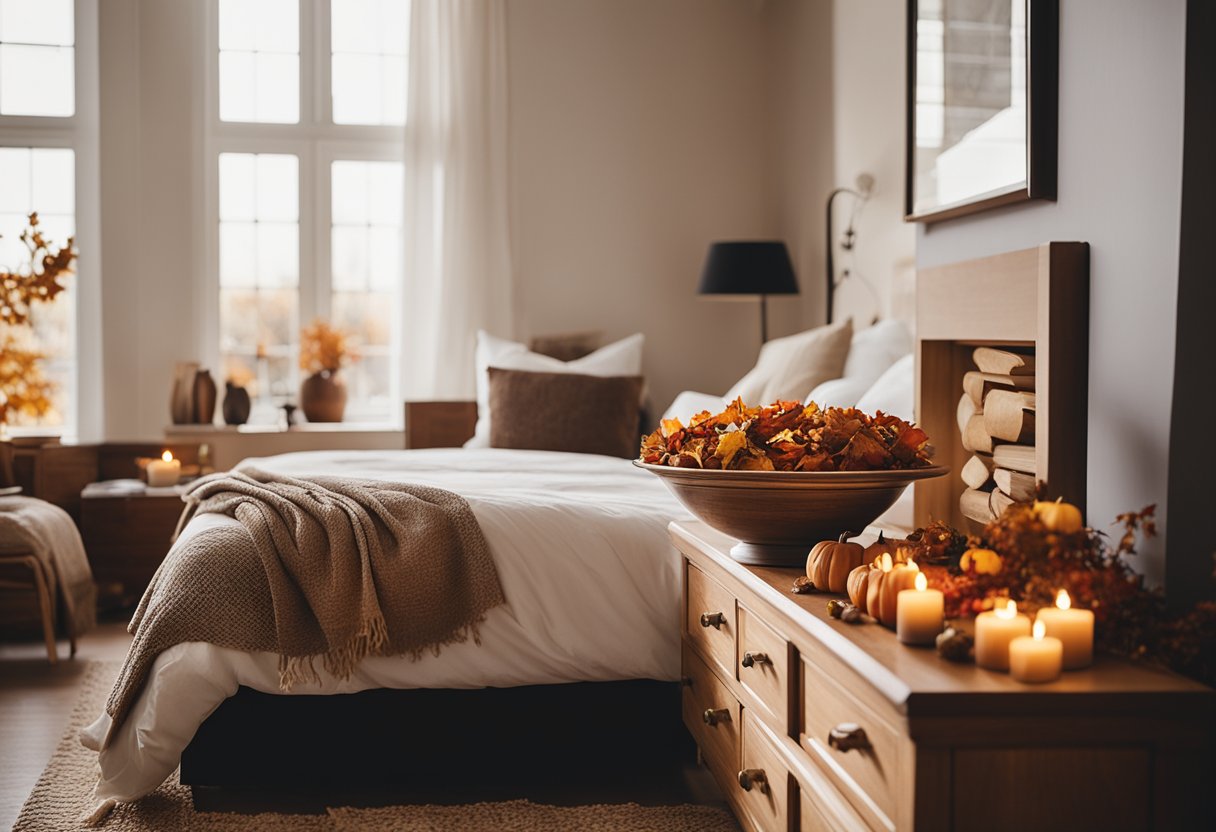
<point x="749" y="268"/>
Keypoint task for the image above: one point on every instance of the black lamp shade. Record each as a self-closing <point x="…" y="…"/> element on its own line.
<point x="760" y="267"/>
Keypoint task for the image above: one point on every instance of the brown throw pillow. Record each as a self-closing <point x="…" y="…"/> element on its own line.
<point x="565" y="412"/>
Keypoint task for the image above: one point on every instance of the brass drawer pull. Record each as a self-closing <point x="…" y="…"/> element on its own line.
<point x="848" y="735"/>
<point x="712" y="619"/>
<point x="750" y="659"/>
<point x="750" y="777"/>
<point x="713" y="716"/>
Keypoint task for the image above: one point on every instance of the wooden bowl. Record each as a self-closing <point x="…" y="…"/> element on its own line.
<point x="777" y="515"/>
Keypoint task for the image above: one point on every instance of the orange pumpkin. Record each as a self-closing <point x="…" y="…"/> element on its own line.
<point x="830" y="562"/>
<point x="858" y="582"/>
<point x="1059" y="516"/>
<point x="884" y="585"/>
<point x="876" y="549"/>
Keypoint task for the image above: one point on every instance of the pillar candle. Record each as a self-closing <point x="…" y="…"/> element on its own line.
<point x="1074" y="628"/>
<point x="1037" y="658"/>
<point x="164" y="471"/>
<point x="919" y="613"/>
<point x="993" y="632"/>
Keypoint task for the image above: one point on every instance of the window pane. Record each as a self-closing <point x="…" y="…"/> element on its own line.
<point x="368" y="41"/>
<point x="366" y="276"/>
<point x="37" y="58"/>
<point x="259" y="61"/>
<point x="36" y="80"/>
<point x="50" y="22"/>
<point x="259" y="236"/>
<point x="43" y="180"/>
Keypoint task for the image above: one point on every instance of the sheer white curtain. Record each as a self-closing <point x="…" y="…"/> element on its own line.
<point x="457" y="248"/>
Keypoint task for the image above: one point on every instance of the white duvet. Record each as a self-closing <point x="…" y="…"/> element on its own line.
<point x="580" y="543"/>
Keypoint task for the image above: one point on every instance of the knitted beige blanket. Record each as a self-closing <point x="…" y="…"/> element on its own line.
<point x="325" y="569"/>
<point x="48" y="533"/>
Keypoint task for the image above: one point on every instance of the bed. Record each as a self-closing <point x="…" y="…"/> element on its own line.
<point x="553" y="522"/>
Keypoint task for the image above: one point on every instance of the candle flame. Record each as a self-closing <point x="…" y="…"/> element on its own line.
<point x="167" y="456"/>
<point x="1008" y="611"/>
<point x="1040" y="630"/>
<point x="1062" y="600"/>
<point x="921" y="583"/>
<point x="912" y="565"/>
<point x="886" y="562"/>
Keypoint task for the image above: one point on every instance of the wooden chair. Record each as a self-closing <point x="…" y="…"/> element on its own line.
<point x="38" y="582"/>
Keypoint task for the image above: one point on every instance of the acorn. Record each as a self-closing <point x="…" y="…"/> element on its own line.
<point x="954" y="646"/>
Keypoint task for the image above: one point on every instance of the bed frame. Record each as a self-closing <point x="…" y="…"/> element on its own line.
<point x="578" y="742"/>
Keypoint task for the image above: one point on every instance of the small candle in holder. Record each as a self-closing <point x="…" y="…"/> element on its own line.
<point x="919" y="613"/>
<point x="993" y="632"/>
<point x="1036" y="658"/>
<point x="1075" y="628"/>
<point x="165" y="471"/>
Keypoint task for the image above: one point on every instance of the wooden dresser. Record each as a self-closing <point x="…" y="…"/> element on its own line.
<point x="809" y="723"/>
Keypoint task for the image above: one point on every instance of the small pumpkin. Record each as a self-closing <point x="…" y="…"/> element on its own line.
<point x="983" y="561"/>
<point x="858" y="582"/>
<point x="884" y="585"/>
<point x="876" y="549"/>
<point x="1059" y="516"/>
<point x="830" y="562"/>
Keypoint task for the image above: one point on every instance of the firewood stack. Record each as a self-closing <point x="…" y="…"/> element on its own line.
<point x="996" y="421"/>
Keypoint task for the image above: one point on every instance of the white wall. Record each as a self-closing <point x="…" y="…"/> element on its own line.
<point x="642" y="131"/>
<point x="1120" y="154"/>
<point x="151" y="204"/>
<point x="868" y="65"/>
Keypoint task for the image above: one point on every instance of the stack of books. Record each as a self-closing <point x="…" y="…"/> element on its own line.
<point x="996" y="420"/>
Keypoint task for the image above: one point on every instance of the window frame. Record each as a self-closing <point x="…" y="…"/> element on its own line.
<point x="317" y="142"/>
<point x="79" y="133"/>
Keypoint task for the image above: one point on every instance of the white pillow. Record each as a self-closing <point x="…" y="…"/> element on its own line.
<point x="690" y="403"/>
<point x="839" y="392"/>
<point x="893" y="392"/>
<point x="788" y="368"/>
<point x="876" y="348"/>
<point x="622" y="358"/>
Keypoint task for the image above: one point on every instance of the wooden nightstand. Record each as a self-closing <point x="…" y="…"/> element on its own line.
<point x="809" y="723"/>
<point x="126" y="536"/>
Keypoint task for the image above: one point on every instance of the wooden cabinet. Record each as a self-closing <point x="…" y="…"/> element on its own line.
<point x="126" y="538"/>
<point x="809" y="723"/>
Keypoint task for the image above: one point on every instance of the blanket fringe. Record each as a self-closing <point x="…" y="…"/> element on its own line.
<point x="100" y="812"/>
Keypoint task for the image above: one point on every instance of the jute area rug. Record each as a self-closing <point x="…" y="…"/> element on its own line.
<point x="62" y="796"/>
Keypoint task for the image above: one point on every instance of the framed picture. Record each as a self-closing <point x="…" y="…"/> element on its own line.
<point x="982" y="92"/>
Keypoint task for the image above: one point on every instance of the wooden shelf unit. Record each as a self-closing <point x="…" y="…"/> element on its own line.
<point x="1034" y="297"/>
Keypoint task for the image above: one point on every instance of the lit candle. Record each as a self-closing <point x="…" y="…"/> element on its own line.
<point x="1075" y="628"/>
<point x="164" y="471"/>
<point x="1037" y="658"/>
<point x="919" y="613"/>
<point x="993" y="632"/>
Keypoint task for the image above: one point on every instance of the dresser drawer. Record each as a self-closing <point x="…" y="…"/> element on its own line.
<point x="860" y="750"/>
<point x="709" y="620"/>
<point x="763" y="668"/>
<point x="826" y="811"/>
<point x="761" y="790"/>
<point x="711" y="713"/>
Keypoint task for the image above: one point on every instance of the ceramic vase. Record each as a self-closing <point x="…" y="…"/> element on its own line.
<point x="204" y="398"/>
<point x="236" y="404"/>
<point x="323" y="396"/>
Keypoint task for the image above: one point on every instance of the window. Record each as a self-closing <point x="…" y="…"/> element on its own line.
<point x="41" y="137"/>
<point x="307" y="195"/>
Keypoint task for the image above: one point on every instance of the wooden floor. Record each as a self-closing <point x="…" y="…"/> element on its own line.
<point x="35" y="701"/>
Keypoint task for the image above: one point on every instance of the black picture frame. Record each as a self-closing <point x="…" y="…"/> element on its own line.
<point x="1042" y="119"/>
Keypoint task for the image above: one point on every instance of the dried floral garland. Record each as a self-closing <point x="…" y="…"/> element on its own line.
<point x="1026" y="555"/>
